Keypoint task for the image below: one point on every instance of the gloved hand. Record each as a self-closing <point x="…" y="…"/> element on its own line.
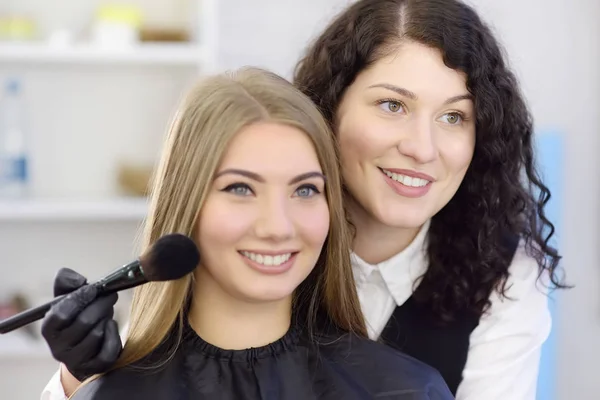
<point x="80" y="329"/>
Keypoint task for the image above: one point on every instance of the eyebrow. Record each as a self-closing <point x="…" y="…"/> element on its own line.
<point x="411" y="95"/>
<point x="256" y="177"/>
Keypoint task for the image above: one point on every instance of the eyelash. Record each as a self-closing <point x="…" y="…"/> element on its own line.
<point x="232" y="187"/>
<point x="390" y="100"/>
<point x="310" y="187"/>
<point x="461" y="115"/>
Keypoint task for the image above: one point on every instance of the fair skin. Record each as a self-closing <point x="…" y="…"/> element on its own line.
<point x="406" y="128"/>
<point x="260" y="234"/>
<point x="268" y="198"/>
<point x="68" y="381"/>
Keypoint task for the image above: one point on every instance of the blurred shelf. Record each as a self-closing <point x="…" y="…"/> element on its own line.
<point x="126" y="209"/>
<point x="145" y="53"/>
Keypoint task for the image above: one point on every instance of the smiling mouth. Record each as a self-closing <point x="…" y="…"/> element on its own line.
<point x="267" y="259"/>
<point x="406" y="180"/>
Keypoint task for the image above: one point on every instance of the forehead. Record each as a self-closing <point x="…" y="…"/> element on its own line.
<point x="418" y="68"/>
<point x="271" y="149"/>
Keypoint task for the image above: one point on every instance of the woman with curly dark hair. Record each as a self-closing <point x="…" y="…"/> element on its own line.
<point x="451" y="251"/>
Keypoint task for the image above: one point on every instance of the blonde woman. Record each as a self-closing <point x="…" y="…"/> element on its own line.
<point x="250" y="172"/>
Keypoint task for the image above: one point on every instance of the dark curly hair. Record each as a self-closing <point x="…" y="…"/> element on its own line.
<point x="502" y="195"/>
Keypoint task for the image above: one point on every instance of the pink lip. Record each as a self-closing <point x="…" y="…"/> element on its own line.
<point x="413" y="174"/>
<point x="406" y="191"/>
<point x="270" y="269"/>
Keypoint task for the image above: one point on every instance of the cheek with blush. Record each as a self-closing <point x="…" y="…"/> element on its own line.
<point x="220" y="230"/>
<point x="224" y="226"/>
<point x="313" y="226"/>
<point x="364" y="142"/>
<point x="457" y="153"/>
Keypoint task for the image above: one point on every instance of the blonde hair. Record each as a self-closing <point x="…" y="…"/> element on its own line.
<point x="213" y="112"/>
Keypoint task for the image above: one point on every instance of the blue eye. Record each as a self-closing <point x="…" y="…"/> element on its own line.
<point x="307" y="191"/>
<point x="239" y="189"/>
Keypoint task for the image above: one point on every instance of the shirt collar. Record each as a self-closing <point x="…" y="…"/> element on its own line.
<point x="398" y="272"/>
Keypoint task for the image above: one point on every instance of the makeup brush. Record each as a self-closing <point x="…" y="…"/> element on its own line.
<point x="171" y="257"/>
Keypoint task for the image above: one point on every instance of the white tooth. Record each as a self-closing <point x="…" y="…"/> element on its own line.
<point x="407" y="180"/>
<point x="267" y="260"/>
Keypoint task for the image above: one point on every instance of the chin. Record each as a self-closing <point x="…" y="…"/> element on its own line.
<point x="267" y="294"/>
<point x="405" y="219"/>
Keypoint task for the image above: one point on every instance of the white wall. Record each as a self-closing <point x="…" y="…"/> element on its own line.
<point x="271" y="33"/>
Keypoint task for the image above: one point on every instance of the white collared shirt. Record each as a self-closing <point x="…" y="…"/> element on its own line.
<point x="505" y="348"/>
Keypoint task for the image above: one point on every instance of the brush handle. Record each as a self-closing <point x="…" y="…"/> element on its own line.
<point x="27" y="316"/>
<point x="126" y="277"/>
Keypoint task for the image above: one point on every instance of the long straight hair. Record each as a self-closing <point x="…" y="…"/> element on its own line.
<point x="211" y="115"/>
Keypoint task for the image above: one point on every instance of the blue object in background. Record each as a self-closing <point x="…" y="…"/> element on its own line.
<point x="551" y="165"/>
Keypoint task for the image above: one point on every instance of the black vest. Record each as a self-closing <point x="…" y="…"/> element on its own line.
<point x="444" y="347"/>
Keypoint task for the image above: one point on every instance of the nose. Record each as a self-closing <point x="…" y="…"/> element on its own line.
<point x="276" y="220"/>
<point x="418" y="142"/>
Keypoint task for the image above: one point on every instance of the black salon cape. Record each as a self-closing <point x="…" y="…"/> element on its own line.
<point x="329" y="367"/>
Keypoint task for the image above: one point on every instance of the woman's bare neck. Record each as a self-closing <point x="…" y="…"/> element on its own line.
<point x="375" y="242"/>
<point x="235" y="324"/>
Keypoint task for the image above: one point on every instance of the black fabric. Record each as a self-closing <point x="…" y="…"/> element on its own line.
<point x="413" y="330"/>
<point x="443" y="347"/>
<point x="294" y="368"/>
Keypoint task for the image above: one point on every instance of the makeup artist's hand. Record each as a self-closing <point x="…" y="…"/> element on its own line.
<point x="80" y="329"/>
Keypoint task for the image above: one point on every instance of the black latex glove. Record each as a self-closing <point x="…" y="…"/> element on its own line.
<point x="80" y="329"/>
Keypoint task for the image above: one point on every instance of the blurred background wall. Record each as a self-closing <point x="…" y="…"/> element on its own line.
<point x="95" y="114"/>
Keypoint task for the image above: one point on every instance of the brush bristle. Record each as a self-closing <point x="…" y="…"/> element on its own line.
<point x="172" y="257"/>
